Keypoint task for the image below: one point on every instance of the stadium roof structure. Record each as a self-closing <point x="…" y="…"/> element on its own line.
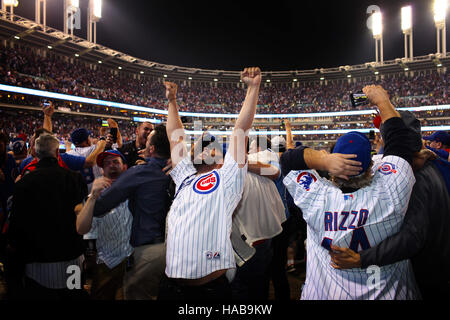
<point x="16" y="28"/>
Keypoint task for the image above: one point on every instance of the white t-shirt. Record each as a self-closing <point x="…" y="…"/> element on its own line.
<point x="261" y="211"/>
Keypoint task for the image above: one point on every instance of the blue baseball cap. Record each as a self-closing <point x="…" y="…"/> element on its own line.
<point x="439" y="136"/>
<point x="79" y="135"/>
<point x="101" y="157"/>
<point x="357" y="143"/>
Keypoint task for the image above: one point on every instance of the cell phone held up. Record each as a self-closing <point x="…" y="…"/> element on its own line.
<point x="113" y="132"/>
<point x="359" y="99"/>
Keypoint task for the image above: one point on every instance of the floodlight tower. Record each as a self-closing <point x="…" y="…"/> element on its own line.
<point x="440" y="13"/>
<point x="377" y="30"/>
<point x="41" y="4"/>
<point x="70" y="8"/>
<point x="407" y="30"/>
<point x="94" y="15"/>
<point x="11" y="4"/>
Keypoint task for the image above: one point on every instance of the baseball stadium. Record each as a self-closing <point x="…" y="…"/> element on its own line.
<point x="129" y="179"/>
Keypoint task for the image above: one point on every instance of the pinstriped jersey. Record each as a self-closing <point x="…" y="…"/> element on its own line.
<point x="199" y="220"/>
<point x="358" y="221"/>
<point x="113" y="232"/>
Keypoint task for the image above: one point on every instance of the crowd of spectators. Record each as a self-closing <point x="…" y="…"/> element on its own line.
<point x="23" y="67"/>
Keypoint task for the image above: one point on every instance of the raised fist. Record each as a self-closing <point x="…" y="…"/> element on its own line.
<point x="112" y="123"/>
<point x="251" y="76"/>
<point x="49" y="110"/>
<point x="171" y="90"/>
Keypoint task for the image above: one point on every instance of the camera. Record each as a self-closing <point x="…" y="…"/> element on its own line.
<point x="46" y="103"/>
<point x="113" y="132"/>
<point x="358" y="99"/>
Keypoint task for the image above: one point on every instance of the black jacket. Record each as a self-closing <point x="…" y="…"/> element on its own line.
<point x="424" y="235"/>
<point x="43" y="221"/>
<point x="130" y="153"/>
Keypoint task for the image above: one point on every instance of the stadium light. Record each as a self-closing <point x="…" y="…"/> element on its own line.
<point x="11" y="4"/>
<point x="377" y="31"/>
<point x="440" y="10"/>
<point x="377" y="24"/>
<point x="406" y="18"/>
<point x="97" y="8"/>
<point x="440" y="13"/>
<point x="407" y="30"/>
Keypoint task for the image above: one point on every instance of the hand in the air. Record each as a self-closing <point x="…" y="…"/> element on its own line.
<point x="251" y="76"/>
<point x="376" y="94"/>
<point x="171" y="90"/>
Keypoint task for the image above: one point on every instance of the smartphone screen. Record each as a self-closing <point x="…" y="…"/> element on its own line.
<point x="104" y="123"/>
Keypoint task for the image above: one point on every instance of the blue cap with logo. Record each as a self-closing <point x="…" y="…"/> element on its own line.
<point x="439" y="136"/>
<point x="357" y="143"/>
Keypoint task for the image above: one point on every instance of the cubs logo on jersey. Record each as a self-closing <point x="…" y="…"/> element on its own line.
<point x="387" y="168"/>
<point x="212" y="255"/>
<point x="305" y="179"/>
<point x="207" y="183"/>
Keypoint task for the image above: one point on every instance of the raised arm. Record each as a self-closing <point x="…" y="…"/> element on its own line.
<point x="174" y="128"/>
<point x="91" y="160"/>
<point x="289" y="139"/>
<point x="85" y="212"/>
<point x="48" y="113"/>
<point x="113" y="124"/>
<point x="252" y="78"/>
<point x="398" y="139"/>
<point x="379" y="97"/>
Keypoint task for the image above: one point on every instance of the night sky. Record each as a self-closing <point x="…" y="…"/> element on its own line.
<point x="229" y="35"/>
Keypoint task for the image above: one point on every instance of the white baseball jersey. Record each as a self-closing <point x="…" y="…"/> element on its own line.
<point x="357" y="220"/>
<point x="199" y="220"/>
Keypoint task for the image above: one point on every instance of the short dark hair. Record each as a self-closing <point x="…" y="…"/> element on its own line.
<point x="4" y="137"/>
<point x="160" y="141"/>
